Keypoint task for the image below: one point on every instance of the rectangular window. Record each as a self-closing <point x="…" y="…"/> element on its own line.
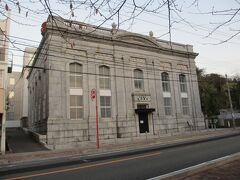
<point x="185" y="106"/>
<point x="104" y="78"/>
<point x="166" y="86"/>
<point x="12" y="81"/>
<point x="138" y="79"/>
<point x="104" y="82"/>
<point x="105" y="103"/>
<point x="167" y="106"/>
<point x="76" y="107"/>
<point x="183" y="86"/>
<point x="138" y="83"/>
<point x="75" y="80"/>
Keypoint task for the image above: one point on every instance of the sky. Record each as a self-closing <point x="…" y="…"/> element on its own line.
<point x="192" y="24"/>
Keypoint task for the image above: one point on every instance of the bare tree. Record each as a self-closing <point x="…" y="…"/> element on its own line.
<point x="126" y="11"/>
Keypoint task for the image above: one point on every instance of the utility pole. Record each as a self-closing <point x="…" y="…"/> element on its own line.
<point x="230" y="102"/>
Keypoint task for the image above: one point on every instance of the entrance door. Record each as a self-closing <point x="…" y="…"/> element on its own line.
<point x="143" y="122"/>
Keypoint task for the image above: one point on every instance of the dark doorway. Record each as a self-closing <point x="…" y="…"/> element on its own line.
<point x="143" y="122"/>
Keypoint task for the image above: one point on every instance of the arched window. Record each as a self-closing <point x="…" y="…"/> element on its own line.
<point x="75" y="75"/>
<point x="138" y="79"/>
<point x="183" y="83"/>
<point x="104" y="77"/>
<point x="165" y="82"/>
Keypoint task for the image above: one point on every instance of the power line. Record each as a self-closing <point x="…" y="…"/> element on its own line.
<point x="118" y="65"/>
<point x="108" y="62"/>
<point x="97" y="74"/>
<point x="15" y="37"/>
<point x="68" y="53"/>
<point x="202" y="27"/>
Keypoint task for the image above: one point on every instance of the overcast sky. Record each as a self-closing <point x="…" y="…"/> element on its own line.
<point x="197" y="23"/>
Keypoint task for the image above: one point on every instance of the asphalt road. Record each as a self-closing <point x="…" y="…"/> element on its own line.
<point x="140" y="166"/>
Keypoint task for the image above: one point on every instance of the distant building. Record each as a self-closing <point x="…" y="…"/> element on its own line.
<point x="4" y="31"/>
<point x="145" y="87"/>
<point x="27" y="60"/>
<point x="225" y="118"/>
<point x="17" y="112"/>
<point x="14" y="94"/>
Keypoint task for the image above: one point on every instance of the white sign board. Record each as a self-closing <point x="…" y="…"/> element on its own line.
<point x="142" y="98"/>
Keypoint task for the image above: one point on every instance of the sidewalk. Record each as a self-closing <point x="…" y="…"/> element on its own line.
<point x="227" y="168"/>
<point x="135" y="146"/>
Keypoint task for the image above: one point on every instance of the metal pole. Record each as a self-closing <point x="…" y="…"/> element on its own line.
<point x="97" y="132"/>
<point x="230" y="102"/>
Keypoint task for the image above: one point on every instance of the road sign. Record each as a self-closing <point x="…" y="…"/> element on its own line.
<point x="93" y="94"/>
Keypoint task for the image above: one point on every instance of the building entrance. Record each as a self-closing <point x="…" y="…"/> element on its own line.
<point x="143" y="118"/>
<point x="143" y="122"/>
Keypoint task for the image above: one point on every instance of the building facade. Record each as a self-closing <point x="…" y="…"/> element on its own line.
<point x="4" y="31"/>
<point x="23" y="85"/>
<point x="145" y="86"/>
<point x="14" y="99"/>
<point x="17" y="93"/>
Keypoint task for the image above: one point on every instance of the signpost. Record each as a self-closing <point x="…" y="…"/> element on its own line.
<point x="94" y="96"/>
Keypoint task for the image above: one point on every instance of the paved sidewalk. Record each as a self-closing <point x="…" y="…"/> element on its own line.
<point x="225" y="169"/>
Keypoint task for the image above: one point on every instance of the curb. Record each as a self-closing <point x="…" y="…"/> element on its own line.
<point x="79" y="159"/>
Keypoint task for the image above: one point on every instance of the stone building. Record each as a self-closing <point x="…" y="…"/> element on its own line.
<point x="145" y="87"/>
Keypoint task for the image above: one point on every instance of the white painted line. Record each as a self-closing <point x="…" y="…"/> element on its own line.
<point x="191" y="168"/>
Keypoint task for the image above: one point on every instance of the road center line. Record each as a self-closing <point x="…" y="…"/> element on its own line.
<point x="84" y="167"/>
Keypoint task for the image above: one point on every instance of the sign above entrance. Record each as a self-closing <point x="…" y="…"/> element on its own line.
<point x="142" y="98"/>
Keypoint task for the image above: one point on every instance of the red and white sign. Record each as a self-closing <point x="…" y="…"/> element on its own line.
<point x="93" y="94"/>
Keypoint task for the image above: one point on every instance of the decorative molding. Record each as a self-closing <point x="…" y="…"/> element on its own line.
<point x="137" y="39"/>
